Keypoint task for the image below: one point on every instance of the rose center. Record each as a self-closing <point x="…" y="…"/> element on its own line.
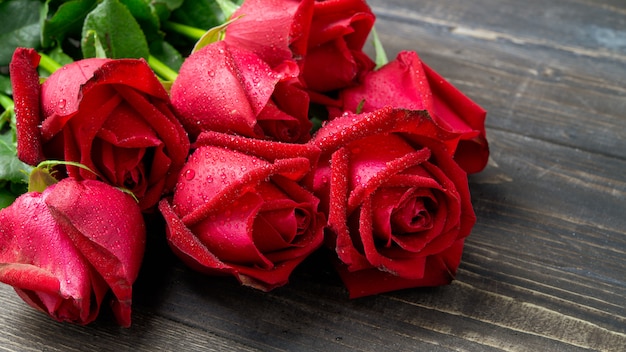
<point x="281" y="130"/>
<point x="412" y="216"/>
<point x="280" y="229"/>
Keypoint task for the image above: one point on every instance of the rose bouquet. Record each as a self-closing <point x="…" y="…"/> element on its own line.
<point x="274" y="135"/>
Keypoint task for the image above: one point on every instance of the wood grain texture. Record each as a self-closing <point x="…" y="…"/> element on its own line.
<point x="545" y="266"/>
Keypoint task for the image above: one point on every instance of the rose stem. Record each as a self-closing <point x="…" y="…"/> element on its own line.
<point x="48" y="64"/>
<point x="162" y="69"/>
<point x="188" y="31"/>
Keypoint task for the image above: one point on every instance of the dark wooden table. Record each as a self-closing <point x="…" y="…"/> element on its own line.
<point x="545" y="266"/>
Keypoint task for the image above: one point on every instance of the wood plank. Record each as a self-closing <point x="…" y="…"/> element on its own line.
<point x="583" y="27"/>
<point x="24" y="329"/>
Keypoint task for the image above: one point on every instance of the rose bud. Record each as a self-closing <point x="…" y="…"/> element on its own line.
<point x="113" y="116"/>
<point x="399" y="206"/>
<point x="229" y="89"/>
<point x="276" y="30"/>
<point x="238" y="210"/>
<point x="65" y="248"/>
<point x="335" y="57"/>
<point x="409" y="83"/>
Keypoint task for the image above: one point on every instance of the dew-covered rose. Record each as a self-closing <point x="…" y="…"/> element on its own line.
<point x="398" y="204"/>
<point x="224" y="88"/>
<point x="408" y="83"/>
<point x="276" y="30"/>
<point x="113" y="116"/>
<point x="335" y="57"/>
<point x="65" y="248"/>
<point x="239" y="210"/>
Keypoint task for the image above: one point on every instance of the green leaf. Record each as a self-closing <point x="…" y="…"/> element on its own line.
<point x="6" y="198"/>
<point x="13" y="170"/>
<point x="19" y="26"/>
<point x="114" y="26"/>
<point x="10" y="191"/>
<point x="170" y="4"/>
<point x="66" y="21"/>
<point x="146" y="16"/>
<point x="163" y="8"/>
<point x="202" y="14"/>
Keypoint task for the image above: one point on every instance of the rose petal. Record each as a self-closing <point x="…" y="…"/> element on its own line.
<point x="216" y="184"/>
<point x="283" y="34"/>
<point x="268" y="150"/>
<point x="440" y="270"/>
<point x="42" y="263"/>
<point x="107" y="227"/>
<point x="223" y="88"/>
<point x="454" y="106"/>
<point x="123" y="128"/>
<point x="339" y="30"/>
<point x="351" y="127"/>
<point x="394" y="261"/>
<point x="229" y="234"/>
<point x="186" y="245"/>
<point x="337" y="215"/>
<point x="375" y="159"/>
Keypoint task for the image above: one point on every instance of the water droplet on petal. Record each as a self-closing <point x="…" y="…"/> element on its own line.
<point x="190" y="174"/>
<point x="61" y="104"/>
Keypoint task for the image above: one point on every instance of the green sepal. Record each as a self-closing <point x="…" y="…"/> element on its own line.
<point x="42" y="176"/>
<point x="40" y="179"/>
<point x="213" y="35"/>
<point x="381" y="56"/>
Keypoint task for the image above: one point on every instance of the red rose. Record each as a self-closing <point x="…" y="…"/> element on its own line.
<point x="276" y="30"/>
<point x="239" y="210"/>
<point x="65" y="248"/>
<point x="335" y="56"/>
<point x="399" y="206"/>
<point x="408" y="83"/>
<point x="229" y="89"/>
<point x="113" y="116"/>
